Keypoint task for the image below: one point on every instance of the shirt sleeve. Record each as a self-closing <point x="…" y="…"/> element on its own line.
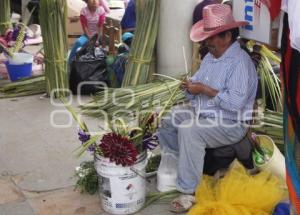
<point x="83" y="11"/>
<point x="83" y="21"/>
<point x="188" y="95"/>
<point x="101" y="20"/>
<point x="233" y="97"/>
<point x="193" y="79"/>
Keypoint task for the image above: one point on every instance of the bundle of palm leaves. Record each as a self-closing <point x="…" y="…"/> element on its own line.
<point x="125" y="102"/>
<point x="4" y="16"/>
<point x="271" y="123"/>
<point x="25" y="87"/>
<point x="53" y="15"/>
<point x="270" y="83"/>
<point x="138" y="68"/>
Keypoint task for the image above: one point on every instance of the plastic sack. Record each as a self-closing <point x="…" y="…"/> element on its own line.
<point x="167" y="172"/>
<point x="282" y="209"/>
<point x="119" y="67"/>
<point x="89" y="65"/>
<point x="238" y="193"/>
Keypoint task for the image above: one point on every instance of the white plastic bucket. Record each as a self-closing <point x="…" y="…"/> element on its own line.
<point x="20" y="58"/>
<point x="167" y="172"/>
<point x="276" y="163"/>
<point x="122" y="190"/>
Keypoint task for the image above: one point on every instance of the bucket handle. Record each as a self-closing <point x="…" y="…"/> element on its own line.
<point x="136" y="171"/>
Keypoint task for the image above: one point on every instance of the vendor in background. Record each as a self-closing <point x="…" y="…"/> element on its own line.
<point x="221" y="94"/>
<point x="120" y="62"/>
<point x="129" y="18"/>
<point x="126" y="42"/>
<point x="92" y="18"/>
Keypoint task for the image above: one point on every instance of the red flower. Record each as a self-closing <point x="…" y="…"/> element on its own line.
<point x="118" y="149"/>
<point x="152" y="118"/>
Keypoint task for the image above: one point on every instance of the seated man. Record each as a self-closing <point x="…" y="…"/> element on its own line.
<point x="221" y="94"/>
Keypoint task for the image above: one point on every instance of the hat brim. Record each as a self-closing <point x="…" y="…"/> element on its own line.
<point x="198" y="33"/>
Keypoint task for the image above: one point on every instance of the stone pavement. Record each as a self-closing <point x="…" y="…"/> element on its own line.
<point x="37" y="162"/>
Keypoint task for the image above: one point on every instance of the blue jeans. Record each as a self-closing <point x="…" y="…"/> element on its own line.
<point x="186" y="136"/>
<point x="81" y="41"/>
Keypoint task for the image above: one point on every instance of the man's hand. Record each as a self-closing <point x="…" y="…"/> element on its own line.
<point x="192" y="88"/>
<point x="185" y="84"/>
<point x="198" y="88"/>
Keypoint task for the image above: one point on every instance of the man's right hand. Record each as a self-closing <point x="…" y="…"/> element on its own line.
<point x="185" y="84"/>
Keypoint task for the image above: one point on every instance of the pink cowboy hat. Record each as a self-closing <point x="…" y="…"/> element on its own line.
<point x="216" y="19"/>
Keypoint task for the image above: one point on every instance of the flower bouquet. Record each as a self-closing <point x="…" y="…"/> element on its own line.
<point x="122" y="144"/>
<point x="120" y="159"/>
<point x="120" y="156"/>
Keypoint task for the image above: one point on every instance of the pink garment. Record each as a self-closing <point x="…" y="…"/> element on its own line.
<point x="92" y="20"/>
<point x="105" y="5"/>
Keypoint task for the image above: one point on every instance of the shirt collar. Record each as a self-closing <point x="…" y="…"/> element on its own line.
<point x="231" y="52"/>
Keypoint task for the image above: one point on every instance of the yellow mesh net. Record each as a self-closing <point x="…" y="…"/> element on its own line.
<point x="238" y="193"/>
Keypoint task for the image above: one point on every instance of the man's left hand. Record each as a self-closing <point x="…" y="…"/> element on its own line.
<point x="185" y="84"/>
<point x="198" y="88"/>
<point x="192" y="88"/>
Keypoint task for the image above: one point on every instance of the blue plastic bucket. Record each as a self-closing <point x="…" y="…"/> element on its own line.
<point x="17" y="72"/>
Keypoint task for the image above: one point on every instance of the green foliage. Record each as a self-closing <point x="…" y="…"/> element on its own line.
<point x="153" y="163"/>
<point x="4" y="16"/>
<point x="154" y="197"/>
<point x="133" y="100"/>
<point x="270" y="83"/>
<point x="25" y="87"/>
<point x="87" y="178"/>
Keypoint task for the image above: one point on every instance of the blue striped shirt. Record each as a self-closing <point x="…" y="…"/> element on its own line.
<point x="234" y="76"/>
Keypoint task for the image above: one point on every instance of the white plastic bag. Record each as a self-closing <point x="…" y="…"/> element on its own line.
<point x="167" y="172"/>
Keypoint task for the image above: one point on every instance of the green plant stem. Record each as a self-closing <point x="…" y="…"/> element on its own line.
<point x="4" y="16"/>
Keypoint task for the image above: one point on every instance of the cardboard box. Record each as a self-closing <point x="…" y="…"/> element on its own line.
<point x="72" y="39"/>
<point x="116" y="4"/>
<point x="260" y="27"/>
<point x="74" y="26"/>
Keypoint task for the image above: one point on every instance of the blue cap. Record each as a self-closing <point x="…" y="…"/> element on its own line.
<point x="127" y="36"/>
